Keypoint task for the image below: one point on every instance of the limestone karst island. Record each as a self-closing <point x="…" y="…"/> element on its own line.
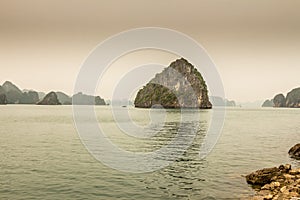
<point x="178" y="86"/>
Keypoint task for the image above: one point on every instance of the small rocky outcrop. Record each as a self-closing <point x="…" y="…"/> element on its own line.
<point x="268" y="103"/>
<point x="280" y="183"/>
<point x="230" y="103"/>
<point x="83" y="99"/>
<point x="294" y="152"/>
<point x="219" y="101"/>
<point x="279" y="100"/>
<point x="178" y="86"/>
<point x="293" y="98"/>
<point x="99" y="101"/>
<point x="50" y="99"/>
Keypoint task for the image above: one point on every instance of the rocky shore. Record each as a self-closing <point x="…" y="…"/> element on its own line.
<point x="278" y="183"/>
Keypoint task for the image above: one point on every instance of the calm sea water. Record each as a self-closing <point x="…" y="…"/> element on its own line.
<point x="42" y="157"/>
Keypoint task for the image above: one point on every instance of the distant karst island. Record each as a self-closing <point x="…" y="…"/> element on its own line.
<point x="292" y="100"/>
<point x="172" y="88"/>
<point x="11" y="94"/>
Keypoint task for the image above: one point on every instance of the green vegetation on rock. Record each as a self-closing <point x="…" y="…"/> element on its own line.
<point x="178" y="86"/>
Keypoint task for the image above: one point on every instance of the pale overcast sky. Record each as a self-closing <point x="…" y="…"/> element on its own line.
<point x="255" y="44"/>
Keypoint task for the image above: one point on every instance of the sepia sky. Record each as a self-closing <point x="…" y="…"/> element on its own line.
<point x="255" y="44"/>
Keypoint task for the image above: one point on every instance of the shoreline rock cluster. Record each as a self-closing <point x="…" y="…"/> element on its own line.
<point x="275" y="183"/>
<point x="278" y="183"/>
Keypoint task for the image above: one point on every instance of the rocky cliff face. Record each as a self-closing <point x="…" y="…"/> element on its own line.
<point x="50" y="99"/>
<point x="293" y="98"/>
<point x="279" y="100"/>
<point x="12" y="92"/>
<point x="178" y="86"/>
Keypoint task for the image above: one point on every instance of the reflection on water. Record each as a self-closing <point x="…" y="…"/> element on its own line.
<point x="41" y="155"/>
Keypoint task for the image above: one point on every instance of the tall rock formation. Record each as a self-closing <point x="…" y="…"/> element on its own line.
<point x="12" y="92"/>
<point x="293" y="98"/>
<point x="279" y="100"/>
<point x="50" y="99"/>
<point x="178" y="86"/>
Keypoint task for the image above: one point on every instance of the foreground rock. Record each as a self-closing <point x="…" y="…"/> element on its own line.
<point x="178" y="86"/>
<point x="50" y="99"/>
<point x="282" y="183"/>
<point x="294" y="152"/>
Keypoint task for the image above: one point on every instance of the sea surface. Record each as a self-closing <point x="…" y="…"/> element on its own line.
<point x="42" y="157"/>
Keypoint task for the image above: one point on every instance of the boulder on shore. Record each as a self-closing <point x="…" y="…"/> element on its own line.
<point x="50" y="99"/>
<point x="294" y="152"/>
<point x="275" y="183"/>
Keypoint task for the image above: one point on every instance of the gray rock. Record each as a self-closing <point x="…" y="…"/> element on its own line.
<point x="83" y="99"/>
<point x="64" y="98"/>
<point x="169" y="90"/>
<point x="293" y="98"/>
<point x="12" y="92"/>
<point x="279" y="100"/>
<point x="50" y="99"/>
<point x="262" y="177"/>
